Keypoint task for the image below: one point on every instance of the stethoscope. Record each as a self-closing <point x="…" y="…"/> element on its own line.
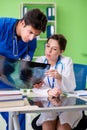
<point x="53" y="80"/>
<point x="15" y="45"/>
<point x="56" y="65"/>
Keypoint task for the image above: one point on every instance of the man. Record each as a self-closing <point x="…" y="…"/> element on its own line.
<point x="18" y="39"/>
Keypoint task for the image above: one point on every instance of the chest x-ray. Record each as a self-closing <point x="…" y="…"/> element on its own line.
<point x="20" y="73"/>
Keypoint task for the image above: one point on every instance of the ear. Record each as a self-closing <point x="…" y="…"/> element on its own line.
<point x="22" y="23"/>
<point x="61" y="51"/>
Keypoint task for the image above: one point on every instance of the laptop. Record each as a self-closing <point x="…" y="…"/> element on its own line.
<point x="20" y="73"/>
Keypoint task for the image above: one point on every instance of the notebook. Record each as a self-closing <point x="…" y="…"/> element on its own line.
<point x="20" y="73"/>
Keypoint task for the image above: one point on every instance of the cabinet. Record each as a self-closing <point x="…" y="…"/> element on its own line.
<point x="49" y="9"/>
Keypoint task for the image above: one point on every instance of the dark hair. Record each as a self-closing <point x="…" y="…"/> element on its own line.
<point x="36" y="19"/>
<point x="61" y="40"/>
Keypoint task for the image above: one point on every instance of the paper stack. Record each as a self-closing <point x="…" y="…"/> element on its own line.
<point x="82" y="94"/>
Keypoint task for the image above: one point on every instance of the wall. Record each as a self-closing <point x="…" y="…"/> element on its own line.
<point x="71" y="21"/>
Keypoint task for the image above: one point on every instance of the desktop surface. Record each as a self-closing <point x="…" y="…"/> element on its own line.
<point x="37" y="103"/>
<point x="62" y="101"/>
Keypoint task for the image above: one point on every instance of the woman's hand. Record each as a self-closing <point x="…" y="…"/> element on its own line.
<point x="55" y="101"/>
<point x="55" y="92"/>
<point x="54" y="74"/>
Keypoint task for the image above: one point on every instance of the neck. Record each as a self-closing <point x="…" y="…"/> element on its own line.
<point x="52" y="62"/>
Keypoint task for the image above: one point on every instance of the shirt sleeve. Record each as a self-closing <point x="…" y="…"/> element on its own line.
<point x="68" y="79"/>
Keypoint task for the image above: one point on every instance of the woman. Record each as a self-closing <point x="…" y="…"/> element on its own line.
<point x="59" y="78"/>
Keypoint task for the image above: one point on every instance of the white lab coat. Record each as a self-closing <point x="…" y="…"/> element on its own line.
<point x="65" y="68"/>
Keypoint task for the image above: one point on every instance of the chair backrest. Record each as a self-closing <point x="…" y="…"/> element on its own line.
<point x="80" y="71"/>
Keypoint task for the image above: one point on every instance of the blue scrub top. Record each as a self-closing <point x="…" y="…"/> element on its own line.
<point x="7" y="33"/>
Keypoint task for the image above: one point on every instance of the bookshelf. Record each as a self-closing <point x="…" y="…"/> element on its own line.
<point x="49" y="9"/>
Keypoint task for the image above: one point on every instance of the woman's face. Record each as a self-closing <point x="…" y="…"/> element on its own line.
<point x="52" y="50"/>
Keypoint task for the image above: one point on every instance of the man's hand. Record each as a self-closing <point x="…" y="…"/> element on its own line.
<point x="38" y="85"/>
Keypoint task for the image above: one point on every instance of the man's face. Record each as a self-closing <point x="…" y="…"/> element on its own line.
<point x="28" y="33"/>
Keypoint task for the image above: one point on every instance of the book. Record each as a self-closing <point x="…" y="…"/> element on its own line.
<point x="50" y="30"/>
<point x="14" y="103"/>
<point x="10" y="92"/>
<point x="53" y="13"/>
<point x="50" y="13"/>
<point x="10" y="95"/>
<point x="25" y="9"/>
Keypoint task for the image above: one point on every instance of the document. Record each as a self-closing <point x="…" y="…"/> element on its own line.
<point x="81" y="92"/>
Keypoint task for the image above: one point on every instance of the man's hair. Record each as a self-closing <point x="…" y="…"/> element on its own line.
<point x="61" y="40"/>
<point x="36" y="19"/>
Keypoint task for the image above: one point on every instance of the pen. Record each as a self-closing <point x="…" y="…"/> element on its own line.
<point x="67" y="93"/>
<point x="64" y="94"/>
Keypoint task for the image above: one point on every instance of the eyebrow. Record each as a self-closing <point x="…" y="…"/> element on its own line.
<point x="52" y="46"/>
<point x="34" y="33"/>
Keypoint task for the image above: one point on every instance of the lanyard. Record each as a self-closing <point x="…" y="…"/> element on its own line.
<point x="53" y="80"/>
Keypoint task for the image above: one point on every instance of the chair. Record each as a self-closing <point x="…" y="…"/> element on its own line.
<point x="80" y="71"/>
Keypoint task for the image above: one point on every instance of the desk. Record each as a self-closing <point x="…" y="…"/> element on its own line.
<point x="13" y="111"/>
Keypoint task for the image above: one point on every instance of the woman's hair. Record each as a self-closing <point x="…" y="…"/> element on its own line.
<point x="61" y="40"/>
<point x="36" y="19"/>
